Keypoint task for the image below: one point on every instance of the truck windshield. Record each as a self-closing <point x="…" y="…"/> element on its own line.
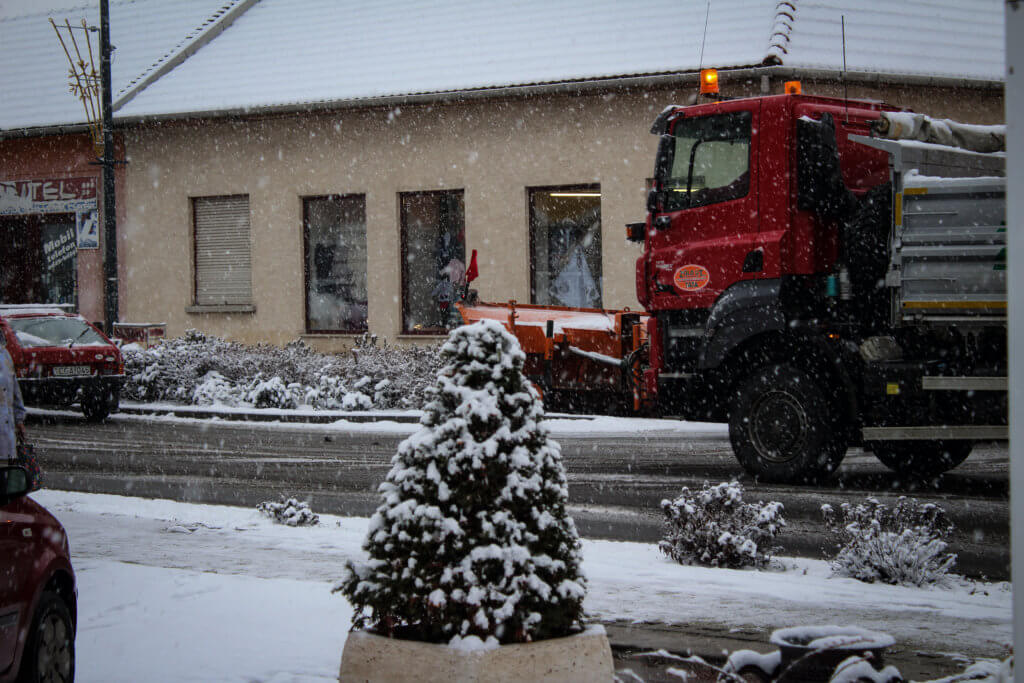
<point x="710" y="161"/>
<point x="54" y="331"/>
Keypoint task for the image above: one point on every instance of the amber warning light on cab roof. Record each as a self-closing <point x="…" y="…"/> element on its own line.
<point x="709" y="81"/>
<point x="792" y="87"/>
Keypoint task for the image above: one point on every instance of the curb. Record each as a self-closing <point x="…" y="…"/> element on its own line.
<point x="320" y="417"/>
<point x="301" y="418"/>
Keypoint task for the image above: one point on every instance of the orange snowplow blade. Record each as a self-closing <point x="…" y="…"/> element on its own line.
<point x="574" y="349"/>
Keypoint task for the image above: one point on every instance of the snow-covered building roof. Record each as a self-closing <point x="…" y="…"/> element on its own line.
<point x="285" y="53"/>
<point x="34" y="88"/>
<point x="938" y="38"/>
<point x="206" y="56"/>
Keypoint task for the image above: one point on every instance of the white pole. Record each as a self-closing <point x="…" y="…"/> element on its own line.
<point x="1015" y="275"/>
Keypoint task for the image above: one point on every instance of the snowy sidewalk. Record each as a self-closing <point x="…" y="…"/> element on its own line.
<point x="406" y="421"/>
<point x="182" y="592"/>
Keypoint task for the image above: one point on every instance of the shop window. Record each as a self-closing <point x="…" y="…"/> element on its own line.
<point x="38" y="263"/>
<point x="223" y="267"/>
<point x="433" y="259"/>
<point x="565" y="246"/>
<point x="334" y="232"/>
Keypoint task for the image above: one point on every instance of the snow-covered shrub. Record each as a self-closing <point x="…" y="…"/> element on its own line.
<point x="391" y="377"/>
<point x="356" y="400"/>
<point x="903" y="544"/>
<point x="216" y="389"/>
<point x="983" y="671"/>
<point x="289" y="511"/>
<point x="327" y="393"/>
<point x="714" y="527"/>
<point x="472" y="538"/>
<point x="270" y="393"/>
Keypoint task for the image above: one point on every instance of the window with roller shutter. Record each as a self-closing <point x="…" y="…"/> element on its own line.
<point x="223" y="266"/>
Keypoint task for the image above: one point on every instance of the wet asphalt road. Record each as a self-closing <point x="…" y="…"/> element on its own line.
<point x="616" y="482"/>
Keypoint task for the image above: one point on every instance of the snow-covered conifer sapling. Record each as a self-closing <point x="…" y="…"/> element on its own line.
<point x="472" y="538"/>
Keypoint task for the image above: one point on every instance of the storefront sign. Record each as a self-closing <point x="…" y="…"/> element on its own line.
<point x="62" y="195"/>
<point x="59" y="248"/>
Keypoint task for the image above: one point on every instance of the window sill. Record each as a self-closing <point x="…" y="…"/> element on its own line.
<point x="331" y="335"/>
<point x="421" y="336"/>
<point x="221" y="308"/>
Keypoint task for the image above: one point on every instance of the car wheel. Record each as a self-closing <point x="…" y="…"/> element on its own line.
<point x="95" y="410"/>
<point x="50" y="651"/>
<point x="96" y="407"/>
<point x="783" y="428"/>
<point x="921" y="459"/>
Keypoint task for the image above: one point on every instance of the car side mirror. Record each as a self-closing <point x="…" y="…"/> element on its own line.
<point x="15" y="482"/>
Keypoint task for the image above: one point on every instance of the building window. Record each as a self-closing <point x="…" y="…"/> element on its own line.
<point x="334" y="233"/>
<point x="223" y="265"/>
<point x="565" y="246"/>
<point x="433" y="259"/>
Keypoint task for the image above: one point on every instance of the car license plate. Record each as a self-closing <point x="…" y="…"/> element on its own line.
<point x="72" y="371"/>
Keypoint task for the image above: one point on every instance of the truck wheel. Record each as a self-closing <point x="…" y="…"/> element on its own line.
<point x="921" y="459"/>
<point x="782" y="427"/>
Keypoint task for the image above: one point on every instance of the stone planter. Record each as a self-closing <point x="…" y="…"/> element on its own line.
<point x="812" y="653"/>
<point x="584" y="657"/>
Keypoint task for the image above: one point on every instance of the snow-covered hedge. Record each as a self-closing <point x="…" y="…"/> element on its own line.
<point x="203" y="370"/>
<point x="903" y="544"/>
<point x="472" y="544"/>
<point x="714" y="527"/>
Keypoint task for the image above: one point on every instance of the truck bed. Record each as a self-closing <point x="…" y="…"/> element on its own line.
<point x="948" y="247"/>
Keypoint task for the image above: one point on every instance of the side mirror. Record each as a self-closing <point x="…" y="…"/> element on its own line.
<point x="655" y="201"/>
<point x="15" y="482"/>
<point x="666" y="155"/>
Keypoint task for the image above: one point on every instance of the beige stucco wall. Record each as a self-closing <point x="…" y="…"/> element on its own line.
<point x="492" y="149"/>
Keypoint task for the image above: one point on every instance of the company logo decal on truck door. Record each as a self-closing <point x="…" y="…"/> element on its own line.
<point x="691" y="278"/>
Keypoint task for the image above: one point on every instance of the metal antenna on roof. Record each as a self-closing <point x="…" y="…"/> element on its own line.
<point x="703" y="40"/>
<point x="84" y="79"/>
<point x="846" y="100"/>
<point x="707" y="13"/>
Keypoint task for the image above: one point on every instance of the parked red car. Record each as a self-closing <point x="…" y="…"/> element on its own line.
<point x="61" y="359"/>
<point x="38" y="595"/>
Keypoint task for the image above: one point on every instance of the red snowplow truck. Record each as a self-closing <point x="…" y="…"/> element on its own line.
<point x="810" y="277"/>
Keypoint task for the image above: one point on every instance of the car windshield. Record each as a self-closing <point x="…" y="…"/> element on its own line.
<point x="54" y="331"/>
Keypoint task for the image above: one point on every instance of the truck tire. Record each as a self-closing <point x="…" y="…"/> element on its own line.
<point x="921" y="459"/>
<point x="783" y="427"/>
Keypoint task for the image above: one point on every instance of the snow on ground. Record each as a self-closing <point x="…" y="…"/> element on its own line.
<point x="406" y="421"/>
<point x="186" y="592"/>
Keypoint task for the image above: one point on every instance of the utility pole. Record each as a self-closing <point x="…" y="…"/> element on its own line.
<point x="110" y="303"/>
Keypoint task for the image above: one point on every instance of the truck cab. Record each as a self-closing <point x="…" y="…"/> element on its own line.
<point x="769" y="251"/>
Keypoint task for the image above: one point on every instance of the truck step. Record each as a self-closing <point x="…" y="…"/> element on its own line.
<point x="931" y="433"/>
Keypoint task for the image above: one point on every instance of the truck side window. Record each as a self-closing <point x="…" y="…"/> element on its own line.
<point x="711" y="161"/>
